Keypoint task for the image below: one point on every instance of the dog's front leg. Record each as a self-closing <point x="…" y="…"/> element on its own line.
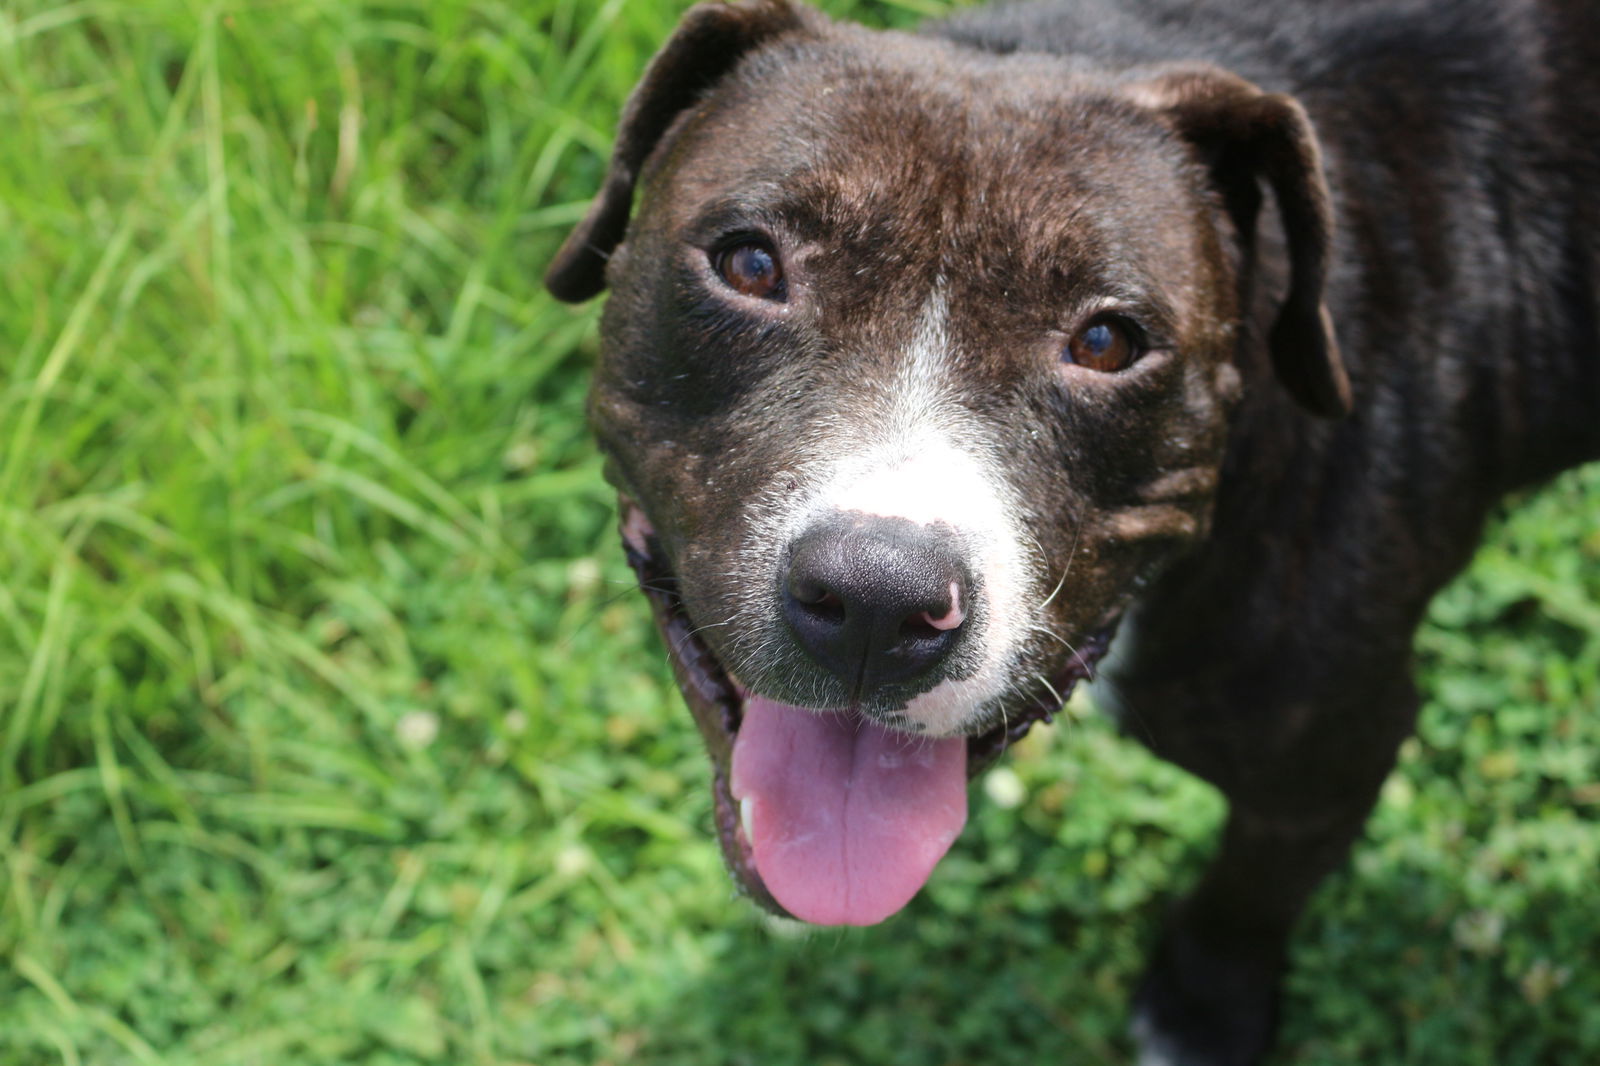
<point x="1209" y="996"/>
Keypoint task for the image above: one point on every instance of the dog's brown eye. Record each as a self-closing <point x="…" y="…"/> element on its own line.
<point x="1105" y="344"/>
<point x="751" y="268"/>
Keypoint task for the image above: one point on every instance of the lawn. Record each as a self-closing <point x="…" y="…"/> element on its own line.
<point x="331" y="731"/>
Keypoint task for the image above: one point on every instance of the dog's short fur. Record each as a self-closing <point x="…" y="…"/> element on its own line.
<point x="1353" y="247"/>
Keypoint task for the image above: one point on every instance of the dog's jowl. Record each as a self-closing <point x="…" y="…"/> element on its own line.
<point x="937" y="366"/>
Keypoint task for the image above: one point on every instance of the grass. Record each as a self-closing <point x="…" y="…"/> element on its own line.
<point x="330" y="731"/>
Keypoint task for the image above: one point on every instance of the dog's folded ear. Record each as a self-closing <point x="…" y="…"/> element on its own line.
<point x="1245" y="134"/>
<point x="707" y="44"/>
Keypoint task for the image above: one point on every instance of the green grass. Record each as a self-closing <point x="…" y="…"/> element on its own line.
<point x="330" y="731"/>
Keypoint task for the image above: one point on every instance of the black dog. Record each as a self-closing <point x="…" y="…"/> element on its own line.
<point x="933" y="361"/>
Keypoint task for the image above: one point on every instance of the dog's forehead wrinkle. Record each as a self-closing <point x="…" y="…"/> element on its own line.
<point x="935" y="156"/>
<point x="1172" y="485"/>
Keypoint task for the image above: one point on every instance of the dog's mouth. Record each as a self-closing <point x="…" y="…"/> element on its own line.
<point x="827" y="817"/>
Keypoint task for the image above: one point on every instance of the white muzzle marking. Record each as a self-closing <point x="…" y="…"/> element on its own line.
<point x="921" y="456"/>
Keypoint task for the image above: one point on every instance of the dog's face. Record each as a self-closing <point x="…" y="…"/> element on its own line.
<point x="918" y="363"/>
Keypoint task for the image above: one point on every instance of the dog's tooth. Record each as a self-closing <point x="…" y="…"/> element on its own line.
<point x="747" y="819"/>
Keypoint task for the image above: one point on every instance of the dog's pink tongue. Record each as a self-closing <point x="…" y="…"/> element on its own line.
<point x="846" y="819"/>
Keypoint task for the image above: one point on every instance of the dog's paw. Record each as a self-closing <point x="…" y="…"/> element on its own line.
<point x="1156" y="1048"/>
<point x="1199" y="1008"/>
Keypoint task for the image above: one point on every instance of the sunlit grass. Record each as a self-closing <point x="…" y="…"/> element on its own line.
<point x="331" y="732"/>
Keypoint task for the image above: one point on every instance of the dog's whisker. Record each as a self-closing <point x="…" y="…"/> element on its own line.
<point x="1059" y="586"/>
<point x="695" y="632"/>
<point x="1053" y="635"/>
<point x="1056" y="695"/>
<point x="592" y="615"/>
<point x="1077" y="533"/>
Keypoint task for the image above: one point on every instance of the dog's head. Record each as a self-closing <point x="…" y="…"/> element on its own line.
<point x="918" y="363"/>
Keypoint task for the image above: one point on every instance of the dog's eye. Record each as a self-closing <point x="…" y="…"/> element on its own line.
<point x="1106" y="344"/>
<point x="751" y="267"/>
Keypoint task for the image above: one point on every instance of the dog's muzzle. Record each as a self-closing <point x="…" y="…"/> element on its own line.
<point x="837" y="816"/>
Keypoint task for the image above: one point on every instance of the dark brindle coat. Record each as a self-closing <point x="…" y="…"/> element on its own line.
<point x="1351" y="249"/>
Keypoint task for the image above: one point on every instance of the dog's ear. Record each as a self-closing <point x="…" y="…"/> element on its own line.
<point x="708" y="42"/>
<point x="1245" y="134"/>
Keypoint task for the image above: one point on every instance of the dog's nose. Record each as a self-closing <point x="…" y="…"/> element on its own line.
<point x="875" y="600"/>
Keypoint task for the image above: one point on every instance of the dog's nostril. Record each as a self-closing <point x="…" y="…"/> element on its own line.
<point x="952" y="617"/>
<point x="806" y="591"/>
<point x="817" y="600"/>
<point x="918" y="627"/>
<point x="811" y="593"/>
<point x="930" y="625"/>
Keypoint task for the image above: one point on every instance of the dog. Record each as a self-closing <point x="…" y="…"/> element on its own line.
<point x="1199" y="337"/>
